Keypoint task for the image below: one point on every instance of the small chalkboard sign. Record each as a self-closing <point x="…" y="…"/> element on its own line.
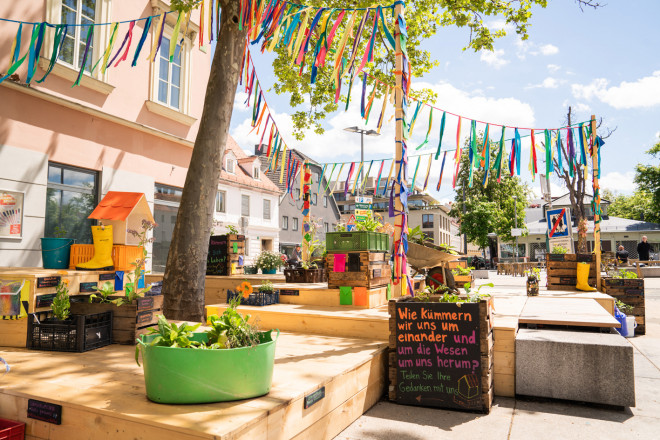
<point x="317" y="395"/>
<point x="88" y="287"/>
<point x="289" y="292"/>
<point x="438" y="356"/>
<point x="107" y="276"/>
<point x="44" y="300"/>
<point x="48" y="282"/>
<point x="44" y="411"/>
<point x="216" y="261"/>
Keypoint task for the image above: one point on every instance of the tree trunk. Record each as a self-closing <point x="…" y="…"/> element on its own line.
<point x="185" y="273"/>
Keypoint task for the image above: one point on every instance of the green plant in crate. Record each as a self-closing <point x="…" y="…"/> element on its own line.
<point x="231" y="229"/>
<point x="533" y="274"/>
<point x="131" y="291"/>
<point x="476" y="296"/>
<point x="231" y="329"/>
<point x="105" y="291"/>
<point x="623" y="307"/>
<point x="559" y="250"/>
<point x="463" y="271"/>
<point x="416" y="235"/>
<point x="61" y="303"/>
<point x="622" y="274"/>
<point x="268" y="260"/>
<point x="370" y="224"/>
<point x="266" y="287"/>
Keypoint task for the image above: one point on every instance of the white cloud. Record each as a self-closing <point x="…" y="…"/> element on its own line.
<point x="239" y="102"/>
<point x="645" y="92"/>
<point x="619" y="182"/>
<point x="549" y="49"/>
<point x="497" y="25"/>
<point x="553" y="68"/>
<point x="548" y="83"/>
<point x="494" y="58"/>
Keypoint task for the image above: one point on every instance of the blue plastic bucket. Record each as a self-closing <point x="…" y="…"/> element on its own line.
<point x="55" y="252"/>
<point x="621" y="317"/>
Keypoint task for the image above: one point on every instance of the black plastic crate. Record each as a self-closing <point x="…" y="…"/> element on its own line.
<point x="256" y="298"/>
<point x="79" y="333"/>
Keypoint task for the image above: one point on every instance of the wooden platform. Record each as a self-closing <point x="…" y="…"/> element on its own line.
<point x="103" y="396"/>
<point x="580" y="312"/>
<point x="319" y="294"/>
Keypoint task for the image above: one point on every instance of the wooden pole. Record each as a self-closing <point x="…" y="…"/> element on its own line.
<point x="306" y="177"/>
<point x="399" y="115"/>
<point x="596" y="200"/>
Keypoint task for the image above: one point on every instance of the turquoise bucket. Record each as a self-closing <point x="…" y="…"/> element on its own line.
<point x="56" y="252"/>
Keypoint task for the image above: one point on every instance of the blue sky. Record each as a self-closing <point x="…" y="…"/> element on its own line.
<point x="604" y="62"/>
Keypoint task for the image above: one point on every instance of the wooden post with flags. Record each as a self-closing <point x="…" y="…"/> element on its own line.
<point x="306" y="177"/>
<point x="596" y="198"/>
<point x="398" y="288"/>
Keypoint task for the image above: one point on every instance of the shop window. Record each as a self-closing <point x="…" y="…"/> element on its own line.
<point x="71" y="197"/>
<point x="166" y="207"/>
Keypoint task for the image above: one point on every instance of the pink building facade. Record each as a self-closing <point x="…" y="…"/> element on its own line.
<point x="127" y="129"/>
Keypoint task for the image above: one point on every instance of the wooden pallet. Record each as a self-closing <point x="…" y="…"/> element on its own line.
<point x="562" y="275"/>
<point x="363" y="269"/>
<point x="631" y="292"/>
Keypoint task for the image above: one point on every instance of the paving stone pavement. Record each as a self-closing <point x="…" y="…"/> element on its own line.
<point x="535" y="419"/>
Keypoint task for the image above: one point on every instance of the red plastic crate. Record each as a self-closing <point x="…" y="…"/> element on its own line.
<point x="11" y="430"/>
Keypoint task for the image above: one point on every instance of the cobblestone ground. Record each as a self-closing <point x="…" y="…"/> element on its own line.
<point x="534" y="419"/>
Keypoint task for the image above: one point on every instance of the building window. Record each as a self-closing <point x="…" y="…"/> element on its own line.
<point x="245" y="206"/>
<point x="169" y="75"/>
<point x="71" y="197"/>
<point x="255" y="172"/>
<point x="231" y="163"/>
<point x="266" y="209"/>
<point x="325" y="201"/>
<point x="285" y="223"/>
<point x="220" y="201"/>
<point x="326" y="227"/>
<point x="296" y="193"/>
<point x="314" y="198"/>
<point x="295" y="224"/>
<point x="81" y="14"/>
<point x="427" y="221"/>
<point x="166" y="207"/>
<point x="429" y="236"/>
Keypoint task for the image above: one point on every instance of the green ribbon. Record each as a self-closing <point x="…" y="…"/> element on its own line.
<point x="442" y="132"/>
<point x="60" y="31"/>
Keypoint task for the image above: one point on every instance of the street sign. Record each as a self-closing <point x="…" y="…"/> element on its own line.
<point x="367" y="200"/>
<point x="350" y="224"/>
<point x="362" y="213"/>
<point x="565" y="242"/>
<point x="516" y="232"/>
<point x="559" y="223"/>
<point x="363" y="206"/>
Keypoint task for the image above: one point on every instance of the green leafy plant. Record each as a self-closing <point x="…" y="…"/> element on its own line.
<point x="416" y="235"/>
<point x="231" y="229"/>
<point x="463" y="271"/>
<point x="61" y="303"/>
<point x="131" y="291"/>
<point x="559" y="250"/>
<point x="370" y="224"/>
<point x="266" y="287"/>
<point x="623" y="307"/>
<point x="622" y="274"/>
<point x="533" y="274"/>
<point x="448" y="248"/>
<point x="268" y="260"/>
<point x="341" y="227"/>
<point x="476" y="296"/>
<point x="106" y="290"/>
<point x="59" y="232"/>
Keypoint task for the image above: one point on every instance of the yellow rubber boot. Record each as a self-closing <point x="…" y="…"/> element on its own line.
<point x="102" y="260"/>
<point x="583" y="278"/>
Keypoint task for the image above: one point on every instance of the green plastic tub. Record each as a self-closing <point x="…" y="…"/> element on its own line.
<point x="357" y="241"/>
<point x="186" y="375"/>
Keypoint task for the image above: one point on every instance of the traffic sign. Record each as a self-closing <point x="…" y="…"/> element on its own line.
<point x="559" y="224"/>
<point x="368" y="200"/>
<point x="350" y="224"/>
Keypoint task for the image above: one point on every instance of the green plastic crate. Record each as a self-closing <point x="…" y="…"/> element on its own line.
<point x="357" y="241"/>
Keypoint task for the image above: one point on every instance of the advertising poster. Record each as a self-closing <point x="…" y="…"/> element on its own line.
<point x="11" y="214"/>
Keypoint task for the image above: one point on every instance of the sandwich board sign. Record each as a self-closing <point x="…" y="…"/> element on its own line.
<point x="559" y="228"/>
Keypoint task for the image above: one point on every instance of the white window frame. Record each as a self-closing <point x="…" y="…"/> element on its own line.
<point x="255" y="172"/>
<point x="294" y="226"/>
<point x="243" y="196"/>
<point x="97" y="81"/>
<point x="266" y="202"/>
<point x="326" y="227"/>
<point x="217" y="202"/>
<point x="182" y="114"/>
<point x="285" y="223"/>
<point x="230" y="159"/>
<point x="325" y="201"/>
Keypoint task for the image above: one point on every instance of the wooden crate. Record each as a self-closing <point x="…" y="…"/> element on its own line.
<point x="363" y="269"/>
<point x="129" y="320"/>
<point x="487" y="347"/>
<point x="562" y="275"/>
<point x="631" y="292"/>
<point x="461" y="280"/>
<point x="122" y="255"/>
<point x="225" y="252"/>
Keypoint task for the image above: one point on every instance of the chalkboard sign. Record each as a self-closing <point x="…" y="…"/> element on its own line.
<point x="88" y="287"/>
<point x="45" y="411"/>
<point x="107" y="276"/>
<point x="313" y="398"/>
<point x="216" y="261"/>
<point x="289" y="292"/>
<point x="47" y="282"/>
<point x="45" y="300"/>
<point x="438" y="356"/>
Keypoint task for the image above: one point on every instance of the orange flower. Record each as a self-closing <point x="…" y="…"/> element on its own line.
<point x="245" y="288"/>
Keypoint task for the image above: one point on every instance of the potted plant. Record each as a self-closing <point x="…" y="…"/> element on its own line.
<point x="268" y="262"/>
<point x="462" y="275"/>
<point x="265" y="294"/>
<point x="624" y="285"/>
<point x="369" y="235"/>
<point x="533" y="278"/>
<point x="60" y="330"/>
<point x="233" y="360"/>
<point x="56" y="251"/>
<point x="309" y="270"/>
<point x="136" y="309"/>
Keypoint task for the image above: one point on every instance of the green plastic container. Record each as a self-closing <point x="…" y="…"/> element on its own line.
<point x="186" y="375"/>
<point x="56" y="252"/>
<point x="357" y="241"/>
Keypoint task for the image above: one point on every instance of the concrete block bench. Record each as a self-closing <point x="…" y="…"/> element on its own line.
<point x="580" y="366"/>
<point x="650" y="271"/>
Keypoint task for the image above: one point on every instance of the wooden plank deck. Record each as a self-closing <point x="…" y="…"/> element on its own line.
<point x="103" y="396"/>
<point x="581" y="312"/>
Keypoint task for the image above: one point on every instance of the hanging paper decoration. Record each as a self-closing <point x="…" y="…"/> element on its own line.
<point x="380" y="172"/>
<point x="485" y="163"/>
<point x="442" y="170"/>
<point x="348" y="178"/>
<point x="518" y="151"/>
<point x="473" y="150"/>
<point x="571" y="152"/>
<point x="532" y="157"/>
<point x="548" y="154"/>
<point x="428" y="132"/>
<point x="428" y="173"/>
<point x="560" y="167"/>
<point x="500" y="154"/>
<point x="442" y="132"/>
<point x="88" y="42"/>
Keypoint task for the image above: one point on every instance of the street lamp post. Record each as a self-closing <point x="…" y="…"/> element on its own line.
<point x="362" y="133"/>
<point x="515" y="223"/>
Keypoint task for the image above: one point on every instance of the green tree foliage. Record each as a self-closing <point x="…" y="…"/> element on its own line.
<point x="488" y="209"/>
<point x="635" y="207"/>
<point x="647" y="178"/>
<point x="424" y="18"/>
